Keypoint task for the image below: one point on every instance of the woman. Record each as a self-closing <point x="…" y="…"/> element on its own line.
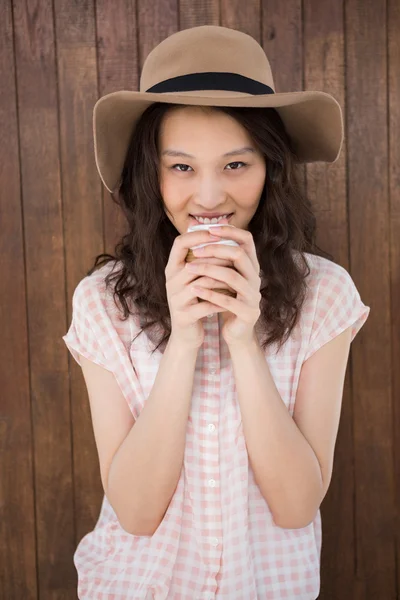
<point x="215" y="414"/>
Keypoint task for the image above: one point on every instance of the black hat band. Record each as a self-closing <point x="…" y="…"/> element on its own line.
<point x="229" y="82"/>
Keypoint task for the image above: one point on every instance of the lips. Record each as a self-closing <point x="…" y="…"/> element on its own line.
<point x="194" y="221"/>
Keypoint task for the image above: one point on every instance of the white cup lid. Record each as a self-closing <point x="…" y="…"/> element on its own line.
<point x="207" y="226"/>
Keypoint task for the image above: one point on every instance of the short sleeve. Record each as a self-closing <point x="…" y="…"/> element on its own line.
<point x="337" y="306"/>
<point x="83" y="334"/>
<point x="99" y="334"/>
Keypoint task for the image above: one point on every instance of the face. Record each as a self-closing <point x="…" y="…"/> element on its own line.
<point x="218" y="177"/>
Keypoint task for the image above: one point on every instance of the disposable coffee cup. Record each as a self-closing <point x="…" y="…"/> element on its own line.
<point x="207" y="227"/>
<point x="190" y="256"/>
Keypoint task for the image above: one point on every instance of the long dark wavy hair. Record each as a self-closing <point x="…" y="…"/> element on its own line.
<point x="283" y="228"/>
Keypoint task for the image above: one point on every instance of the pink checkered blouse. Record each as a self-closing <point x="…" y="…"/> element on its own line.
<point x="217" y="539"/>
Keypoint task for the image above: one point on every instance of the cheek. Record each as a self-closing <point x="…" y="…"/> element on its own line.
<point x="247" y="191"/>
<point x="173" y="193"/>
<point x="166" y="186"/>
<point x="256" y="183"/>
<point x="164" y="183"/>
<point x="256" y="188"/>
<point x="170" y="183"/>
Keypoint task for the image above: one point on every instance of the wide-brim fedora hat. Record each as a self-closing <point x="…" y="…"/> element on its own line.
<point x="213" y="66"/>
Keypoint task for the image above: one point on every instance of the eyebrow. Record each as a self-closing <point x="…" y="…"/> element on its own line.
<point x="244" y="150"/>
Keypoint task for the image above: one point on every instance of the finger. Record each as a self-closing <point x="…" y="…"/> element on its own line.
<point x="210" y="283"/>
<point x="180" y="248"/>
<point x="221" y="300"/>
<point x="240" y="259"/>
<point x="243" y="237"/>
<point x="195" y="280"/>
<point x="232" y="277"/>
<point x="203" y="309"/>
<point x="183" y="278"/>
<point x="244" y="311"/>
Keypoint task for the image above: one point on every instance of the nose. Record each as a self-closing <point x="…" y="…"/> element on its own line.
<point x="210" y="194"/>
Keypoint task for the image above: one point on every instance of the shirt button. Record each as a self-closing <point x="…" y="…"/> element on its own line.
<point x="211" y="482"/>
<point x="211" y="427"/>
<point x="210" y="316"/>
<point x="214" y="541"/>
<point x="213" y="371"/>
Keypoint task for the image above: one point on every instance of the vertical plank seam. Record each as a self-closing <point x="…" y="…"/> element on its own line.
<point x="26" y="297"/>
<point x="138" y="57"/>
<point x="60" y="174"/>
<point x="350" y="367"/>
<point x="392" y="387"/>
<point x="302" y="43"/>
<point x="102" y="191"/>
<point x="303" y="83"/>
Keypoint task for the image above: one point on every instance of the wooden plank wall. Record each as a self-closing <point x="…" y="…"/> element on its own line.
<point x="56" y="59"/>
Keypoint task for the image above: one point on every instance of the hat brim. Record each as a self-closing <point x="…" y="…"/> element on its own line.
<point x="313" y="121"/>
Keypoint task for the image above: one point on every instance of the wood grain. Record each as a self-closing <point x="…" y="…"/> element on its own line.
<point x="56" y="60"/>
<point x="282" y="40"/>
<point x="366" y="85"/>
<point x="46" y="301"/>
<point x="394" y="220"/>
<point x="17" y="500"/>
<point x="117" y="62"/>
<point x="326" y="187"/>
<point x="239" y="15"/>
<point x="83" y="222"/>
<point x="193" y="13"/>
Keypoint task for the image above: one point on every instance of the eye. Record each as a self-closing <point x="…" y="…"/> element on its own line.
<point x="237" y="163"/>
<point x="183" y="165"/>
<point x="180" y="165"/>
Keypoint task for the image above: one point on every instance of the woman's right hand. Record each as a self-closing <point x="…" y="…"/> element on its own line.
<point x="185" y="309"/>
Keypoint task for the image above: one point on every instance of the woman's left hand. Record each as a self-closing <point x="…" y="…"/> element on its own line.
<point x="243" y="311"/>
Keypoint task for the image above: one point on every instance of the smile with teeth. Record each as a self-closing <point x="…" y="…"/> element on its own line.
<point x="213" y="220"/>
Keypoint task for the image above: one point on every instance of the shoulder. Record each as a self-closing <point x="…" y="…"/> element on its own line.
<point x="333" y="302"/>
<point x="326" y="277"/>
<point x="330" y="290"/>
<point x="93" y="297"/>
